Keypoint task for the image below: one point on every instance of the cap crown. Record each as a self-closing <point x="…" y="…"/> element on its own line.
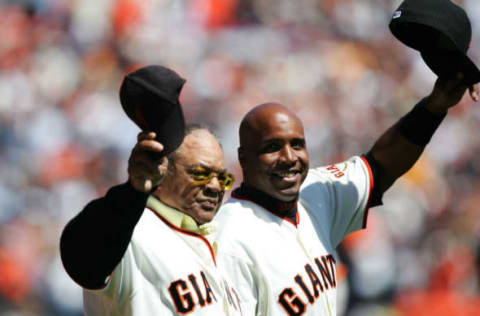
<point x="442" y="17"/>
<point x="149" y="96"/>
<point x="441" y="31"/>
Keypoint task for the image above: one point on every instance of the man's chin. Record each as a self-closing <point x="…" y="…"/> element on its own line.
<point x="203" y="215"/>
<point x="287" y="195"/>
<point x="286" y="190"/>
<point x="205" y="218"/>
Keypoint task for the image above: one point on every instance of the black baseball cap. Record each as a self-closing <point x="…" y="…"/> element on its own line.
<point x="149" y="96"/>
<point x="441" y="31"/>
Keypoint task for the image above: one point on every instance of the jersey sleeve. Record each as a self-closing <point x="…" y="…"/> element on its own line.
<point x="120" y="287"/>
<point x="339" y="194"/>
<point x="119" y="284"/>
<point x="95" y="240"/>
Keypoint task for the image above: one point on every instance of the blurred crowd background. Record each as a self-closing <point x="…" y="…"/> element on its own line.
<point x="65" y="140"/>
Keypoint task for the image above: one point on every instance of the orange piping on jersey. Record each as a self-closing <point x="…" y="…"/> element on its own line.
<point x="180" y="230"/>
<point x="108" y="279"/>
<point x="270" y="211"/>
<point x="287" y="219"/>
<point x="370" y="177"/>
<point x="342" y="272"/>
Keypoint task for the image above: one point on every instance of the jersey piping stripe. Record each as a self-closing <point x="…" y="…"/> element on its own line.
<point x="370" y="189"/>
<point x="270" y="211"/>
<point x="183" y="231"/>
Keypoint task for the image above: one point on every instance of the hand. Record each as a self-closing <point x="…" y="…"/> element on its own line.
<point x="447" y="92"/>
<point x="146" y="168"/>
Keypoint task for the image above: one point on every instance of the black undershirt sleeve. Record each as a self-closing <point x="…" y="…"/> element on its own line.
<point x="93" y="242"/>
<point x="376" y="194"/>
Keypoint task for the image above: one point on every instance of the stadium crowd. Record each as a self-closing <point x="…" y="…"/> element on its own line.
<point x="65" y="140"/>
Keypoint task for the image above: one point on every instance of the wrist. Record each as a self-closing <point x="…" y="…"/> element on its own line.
<point x="433" y="106"/>
<point x="419" y="125"/>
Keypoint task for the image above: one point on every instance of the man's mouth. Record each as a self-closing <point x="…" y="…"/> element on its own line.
<point x="208" y="204"/>
<point x="287" y="175"/>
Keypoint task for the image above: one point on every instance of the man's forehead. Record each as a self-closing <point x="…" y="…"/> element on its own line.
<point x="201" y="149"/>
<point x="269" y="120"/>
<point x="279" y="123"/>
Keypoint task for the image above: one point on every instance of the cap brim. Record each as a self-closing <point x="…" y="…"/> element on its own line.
<point x="439" y="52"/>
<point x="448" y="63"/>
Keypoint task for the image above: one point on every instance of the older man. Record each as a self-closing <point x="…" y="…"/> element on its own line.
<point x="137" y="253"/>
<point x="280" y="229"/>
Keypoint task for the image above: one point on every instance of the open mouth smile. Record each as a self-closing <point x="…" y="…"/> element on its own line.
<point x="287" y="175"/>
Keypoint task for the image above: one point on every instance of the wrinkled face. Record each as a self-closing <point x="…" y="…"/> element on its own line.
<point x="199" y="153"/>
<point x="274" y="157"/>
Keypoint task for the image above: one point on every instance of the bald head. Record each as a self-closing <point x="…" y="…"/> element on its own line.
<point x="260" y="118"/>
<point x="272" y="151"/>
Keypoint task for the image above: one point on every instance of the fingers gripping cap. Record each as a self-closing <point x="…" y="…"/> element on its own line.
<point x="149" y="97"/>
<point x="441" y="31"/>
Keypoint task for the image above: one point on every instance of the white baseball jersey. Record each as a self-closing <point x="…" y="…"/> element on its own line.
<point x="280" y="268"/>
<point x="166" y="270"/>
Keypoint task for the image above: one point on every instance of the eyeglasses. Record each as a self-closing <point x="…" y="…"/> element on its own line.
<point x="201" y="176"/>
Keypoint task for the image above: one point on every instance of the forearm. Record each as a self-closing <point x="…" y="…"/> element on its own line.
<point x="395" y="155"/>
<point x="94" y="242"/>
<point x="397" y="150"/>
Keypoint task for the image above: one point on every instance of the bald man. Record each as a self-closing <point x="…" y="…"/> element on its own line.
<point x="280" y="229"/>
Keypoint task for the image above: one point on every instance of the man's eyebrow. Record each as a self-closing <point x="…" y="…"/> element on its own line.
<point x="275" y="139"/>
<point x="271" y="140"/>
<point x="198" y="165"/>
<point x="299" y="139"/>
<point x="210" y="168"/>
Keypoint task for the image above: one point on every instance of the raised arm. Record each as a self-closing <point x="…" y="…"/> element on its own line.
<point x="397" y="150"/>
<point x="93" y="242"/>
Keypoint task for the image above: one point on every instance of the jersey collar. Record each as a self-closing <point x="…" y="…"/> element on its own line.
<point x="179" y="219"/>
<point x="285" y="210"/>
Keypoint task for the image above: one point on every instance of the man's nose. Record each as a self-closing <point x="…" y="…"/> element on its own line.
<point x="288" y="154"/>
<point x="214" y="185"/>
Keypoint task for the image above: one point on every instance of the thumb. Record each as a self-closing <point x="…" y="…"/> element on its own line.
<point x="147" y="185"/>
<point x="474" y="92"/>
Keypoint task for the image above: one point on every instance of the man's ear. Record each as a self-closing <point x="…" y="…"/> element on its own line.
<point x="241" y="156"/>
